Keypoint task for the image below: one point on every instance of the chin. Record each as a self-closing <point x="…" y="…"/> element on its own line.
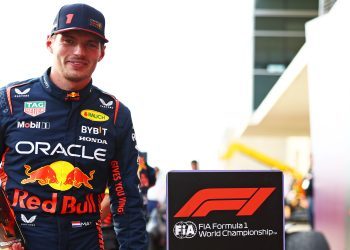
<point x="78" y="75"/>
<point x="76" y="78"/>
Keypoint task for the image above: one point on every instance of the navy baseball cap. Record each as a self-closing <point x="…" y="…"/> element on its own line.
<point x="80" y="17"/>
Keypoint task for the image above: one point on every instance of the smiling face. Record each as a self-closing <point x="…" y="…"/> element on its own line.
<point x="75" y="56"/>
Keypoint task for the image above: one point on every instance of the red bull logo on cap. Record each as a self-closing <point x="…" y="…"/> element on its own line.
<point x="60" y="175"/>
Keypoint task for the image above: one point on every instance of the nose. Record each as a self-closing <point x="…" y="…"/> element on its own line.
<point x="79" y="49"/>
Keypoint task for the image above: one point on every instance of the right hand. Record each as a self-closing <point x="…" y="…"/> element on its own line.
<point x="16" y="246"/>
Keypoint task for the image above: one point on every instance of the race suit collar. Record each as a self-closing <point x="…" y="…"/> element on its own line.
<point x="68" y="96"/>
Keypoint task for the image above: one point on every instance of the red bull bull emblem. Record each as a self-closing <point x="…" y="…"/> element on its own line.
<point x="72" y="96"/>
<point x="77" y="178"/>
<point x="44" y="175"/>
<point x="59" y="175"/>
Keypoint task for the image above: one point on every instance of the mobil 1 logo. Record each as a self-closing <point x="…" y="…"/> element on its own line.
<point x="218" y="210"/>
<point x="33" y="125"/>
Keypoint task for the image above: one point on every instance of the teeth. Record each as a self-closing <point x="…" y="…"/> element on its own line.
<point x="77" y="63"/>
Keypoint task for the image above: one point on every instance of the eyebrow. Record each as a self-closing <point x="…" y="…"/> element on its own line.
<point x="67" y="36"/>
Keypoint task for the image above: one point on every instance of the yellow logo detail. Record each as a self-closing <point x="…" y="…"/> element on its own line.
<point x="62" y="170"/>
<point x="60" y="175"/>
<point x="94" y="115"/>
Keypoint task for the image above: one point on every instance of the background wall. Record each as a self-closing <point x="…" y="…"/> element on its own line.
<point x="328" y="39"/>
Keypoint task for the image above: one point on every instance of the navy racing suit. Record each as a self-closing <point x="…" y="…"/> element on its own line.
<point x="60" y="150"/>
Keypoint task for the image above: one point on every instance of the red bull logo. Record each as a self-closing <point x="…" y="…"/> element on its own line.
<point x="59" y="175"/>
<point x="77" y="178"/>
<point x="72" y="96"/>
<point x="68" y="204"/>
<point x="44" y="175"/>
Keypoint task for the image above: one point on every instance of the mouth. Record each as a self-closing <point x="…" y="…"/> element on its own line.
<point x="77" y="63"/>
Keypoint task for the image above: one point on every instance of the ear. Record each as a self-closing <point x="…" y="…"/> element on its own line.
<point x="103" y="47"/>
<point x="49" y="42"/>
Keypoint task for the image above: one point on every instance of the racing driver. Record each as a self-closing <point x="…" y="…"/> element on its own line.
<point x="63" y="141"/>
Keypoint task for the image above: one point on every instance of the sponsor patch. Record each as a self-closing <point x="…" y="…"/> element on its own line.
<point x="78" y="224"/>
<point x="35" y="108"/>
<point x="94" y="115"/>
<point x="92" y="139"/>
<point x="96" y="24"/>
<point x="69" y="205"/>
<point x="107" y="105"/>
<point x="28" y="222"/>
<point x="31" y="124"/>
<point x="72" y="96"/>
<point x="93" y="130"/>
<point x="46" y="148"/>
<point x="20" y="93"/>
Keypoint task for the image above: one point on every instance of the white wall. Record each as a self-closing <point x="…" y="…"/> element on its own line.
<point x="328" y="39"/>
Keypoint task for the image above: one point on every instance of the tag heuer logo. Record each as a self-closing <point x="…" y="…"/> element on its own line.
<point x="35" y="108"/>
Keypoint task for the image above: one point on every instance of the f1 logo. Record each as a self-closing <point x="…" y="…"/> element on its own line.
<point x="245" y="200"/>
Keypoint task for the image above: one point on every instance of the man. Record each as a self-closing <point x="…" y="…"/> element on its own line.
<point x="62" y="141"/>
<point x="194" y="165"/>
<point x="147" y="177"/>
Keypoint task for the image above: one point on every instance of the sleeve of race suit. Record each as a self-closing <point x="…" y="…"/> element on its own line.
<point x="126" y="202"/>
<point x="3" y="109"/>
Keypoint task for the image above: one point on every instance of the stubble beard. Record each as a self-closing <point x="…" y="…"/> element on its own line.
<point x="74" y="76"/>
